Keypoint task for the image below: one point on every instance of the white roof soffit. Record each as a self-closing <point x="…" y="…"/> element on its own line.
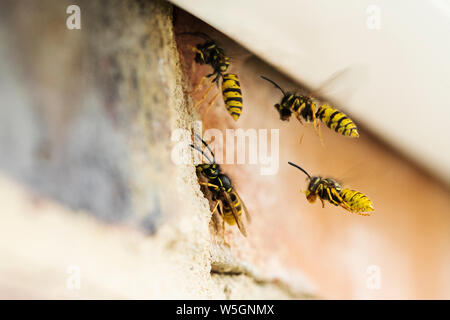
<point x="399" y="51"/>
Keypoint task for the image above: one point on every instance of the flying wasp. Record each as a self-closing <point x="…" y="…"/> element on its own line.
<point x="330" y="190"/>
<point x="211" y="54"/>
<point x="227" y="201"/>
<point x="304" y="107"/>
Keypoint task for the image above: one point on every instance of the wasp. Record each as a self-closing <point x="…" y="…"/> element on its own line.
<point x="211" y="54"/>
<point x="232" y="95"/>
<point x="304" y="107"/>
<point x="330" y="190"/>
<point x="227" y="201"/>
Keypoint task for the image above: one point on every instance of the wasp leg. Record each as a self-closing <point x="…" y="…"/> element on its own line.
<point x="316" y="124"/>
<point x="301" y="138"/>
<point x="208" y="185"/>
<point x="345" y="205"/>
<point x="323" y="202"/>
<point x="362" y="214"/>
<point x="348" y="208"/>
<point x="215" y="207"/>
<point x="210" y="104"/>
<point x="223" y="224"/>
<point x="298" y="113"/>
<point x="315" y="120"/>
<point x="320" y="135"/>
<point x="216" y="78"/>
<point x="330" y="198"/>
<point x="198" y="85"/>
<point x="215" y="220"/>
<point x="203" y="97"/>
<point x="338" y="196"/>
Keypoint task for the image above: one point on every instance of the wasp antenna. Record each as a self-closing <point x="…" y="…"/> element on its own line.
<point x="304" y="171"/>
<point x="274" y="83"/>
<point x="203" y="153"/>
<point x="207" y="146"/>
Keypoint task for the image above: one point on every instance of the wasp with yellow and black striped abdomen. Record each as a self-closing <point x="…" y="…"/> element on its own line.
<point x="232" y="95"/>
<point x="330" y="190"/>
<point x="211" y="54"/>
<point x="305" y="108"/>
<point x="227" y="201"/>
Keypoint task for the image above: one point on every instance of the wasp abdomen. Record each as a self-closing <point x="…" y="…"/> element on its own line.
<point x="227" y="212"/>
<point x="232" y="95"/>
<point x="356" y="201"/>
<point x="338" y="121"/>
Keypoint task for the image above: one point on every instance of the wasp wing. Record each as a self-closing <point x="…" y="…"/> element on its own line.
<point x="244" y="207"/>
<point x="342" y="84"/>
<point x="236" y="216"/>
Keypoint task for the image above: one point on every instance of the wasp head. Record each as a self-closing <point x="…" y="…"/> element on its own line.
<point x="285" y="113"/>
<point x="311" y="192"/>
<point x="210" y="171"/>
<point x="201" y="54"/>
<point x="205" y="53"/>
<point x="284" y="108"/>
<point x="310" y="196"/>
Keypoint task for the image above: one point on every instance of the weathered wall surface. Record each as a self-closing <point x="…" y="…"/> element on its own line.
<point x="86" y="120"/>
<point x="100" y="105"/>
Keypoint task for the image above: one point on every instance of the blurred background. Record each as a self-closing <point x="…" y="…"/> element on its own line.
<point x="93" y="206"/>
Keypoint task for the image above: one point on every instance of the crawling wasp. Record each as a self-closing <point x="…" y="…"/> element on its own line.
<point x="330" y="190"/>
<point x="211" y="54"/>
<point x="227" y="201"/>
<point x="304" y="107"/>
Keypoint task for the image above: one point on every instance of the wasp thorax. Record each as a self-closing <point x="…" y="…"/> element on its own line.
<point x="333" y="183"/>
<point x="225" y="182"/>
<point x="214" y="170"/>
